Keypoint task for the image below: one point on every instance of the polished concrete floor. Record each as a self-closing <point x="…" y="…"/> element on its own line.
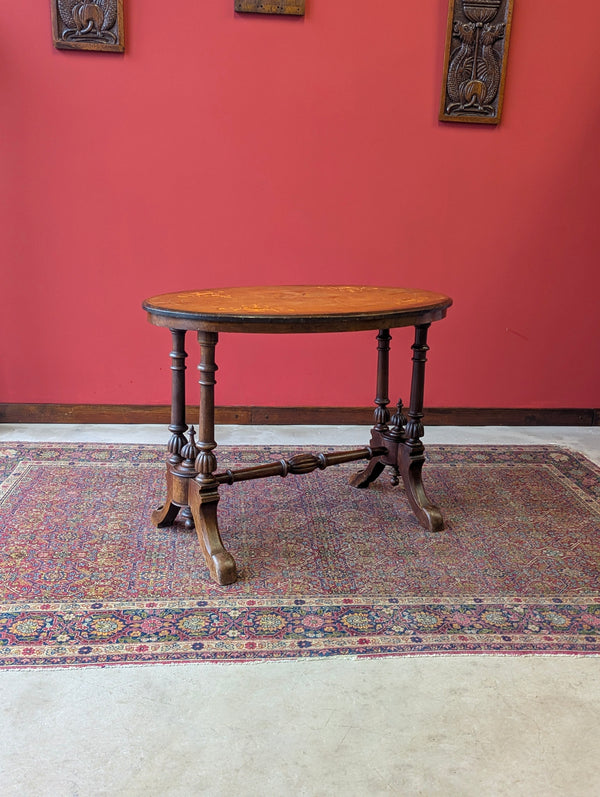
<point x="438" y="725"/>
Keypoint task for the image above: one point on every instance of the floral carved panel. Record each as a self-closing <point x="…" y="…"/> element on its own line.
<point x="94" y="25"/>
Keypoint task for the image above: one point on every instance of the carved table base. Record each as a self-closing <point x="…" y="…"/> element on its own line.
<point x="192" y="480"/>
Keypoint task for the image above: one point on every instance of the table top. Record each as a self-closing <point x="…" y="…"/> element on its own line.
<point x="296" y="308"/>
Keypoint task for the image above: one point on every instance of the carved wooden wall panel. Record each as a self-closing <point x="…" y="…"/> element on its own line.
<point x="475" y="62"/>
<point x="295" y="7"/>
<point x="94" y="25"/>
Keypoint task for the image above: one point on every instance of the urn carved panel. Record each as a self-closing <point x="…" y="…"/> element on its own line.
<point x="475" y="61"/>
<point x="93" y="25"/>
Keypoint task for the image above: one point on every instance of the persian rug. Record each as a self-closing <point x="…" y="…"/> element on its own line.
<point x="324" y="569"/>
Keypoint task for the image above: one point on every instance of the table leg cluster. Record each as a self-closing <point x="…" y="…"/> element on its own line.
<point x="401" y="435"/>
<point x="191" y="485"/>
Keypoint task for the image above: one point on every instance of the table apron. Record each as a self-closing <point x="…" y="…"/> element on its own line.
<point x="253" y="325"/>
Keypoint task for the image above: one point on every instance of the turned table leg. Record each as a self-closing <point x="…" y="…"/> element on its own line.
<point x="411" y="451"/>
<point x="176" y="489"/>
<point x="377" y="465"/>
<point x="203" y="490"/>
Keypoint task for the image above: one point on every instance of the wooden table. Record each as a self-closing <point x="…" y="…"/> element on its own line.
<point x="192" y="477"/>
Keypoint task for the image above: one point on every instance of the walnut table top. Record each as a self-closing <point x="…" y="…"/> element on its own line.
<point x="296" y="308"/>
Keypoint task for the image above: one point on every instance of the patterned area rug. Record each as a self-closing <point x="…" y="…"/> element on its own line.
<point x="325" y="569"/>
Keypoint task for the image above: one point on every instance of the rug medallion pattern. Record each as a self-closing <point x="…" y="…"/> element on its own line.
<point x="325" y="569"/>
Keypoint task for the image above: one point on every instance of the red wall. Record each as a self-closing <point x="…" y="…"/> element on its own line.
<point x="226" y="149"/>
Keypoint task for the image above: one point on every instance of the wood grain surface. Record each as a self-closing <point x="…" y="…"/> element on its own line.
<point x="296" y="308"/>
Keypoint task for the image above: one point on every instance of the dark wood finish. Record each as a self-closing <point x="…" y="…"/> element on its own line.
<point x="475" y="60"/>
<point x="298" y="464"/>
<point x="192" y="483"/>
<point x="180" y="450"/>
<point x="82" y="25"/>
<point x="403" y="448"/>
<point x="276" y="416"/>
<point x="204" y="489"/>
<point x="293" y="7"/>
<point x="411" y="451"/>
<point x="382" y="414"/>
<point x="178" y="426"/>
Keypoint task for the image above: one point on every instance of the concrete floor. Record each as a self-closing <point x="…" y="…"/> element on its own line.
<point x="439" y="725"/>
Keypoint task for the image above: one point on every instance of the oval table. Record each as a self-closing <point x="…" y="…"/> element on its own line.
<point x="192" y="480"/>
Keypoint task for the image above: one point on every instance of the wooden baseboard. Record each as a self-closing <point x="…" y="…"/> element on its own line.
<point x="257" y="416"/>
